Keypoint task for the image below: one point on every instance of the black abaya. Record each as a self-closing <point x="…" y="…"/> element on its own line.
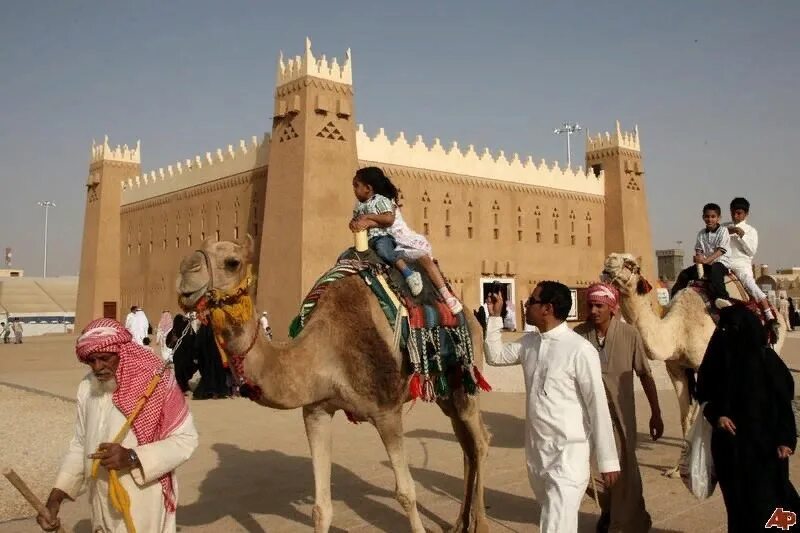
<point x="213" y="375"/>
<point x="184" y="358"/>
<point x="745" y="380"/>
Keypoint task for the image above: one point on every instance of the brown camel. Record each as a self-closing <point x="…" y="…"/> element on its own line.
<point x="679" y="338"/>
<point x="342" y="360"/>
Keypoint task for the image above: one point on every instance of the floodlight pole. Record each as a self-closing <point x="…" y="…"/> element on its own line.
<point x="570" y="129"/>
<point x="46" y="204"/>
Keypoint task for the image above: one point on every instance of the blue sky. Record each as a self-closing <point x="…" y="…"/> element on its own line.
<point x="713" y="86"/>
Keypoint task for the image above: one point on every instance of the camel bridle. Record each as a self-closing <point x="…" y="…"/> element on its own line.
<point x="217" y="305"/>
<point x="625" y="273"/>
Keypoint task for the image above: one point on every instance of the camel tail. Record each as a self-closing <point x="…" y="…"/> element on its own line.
<point x="691" y="384"/>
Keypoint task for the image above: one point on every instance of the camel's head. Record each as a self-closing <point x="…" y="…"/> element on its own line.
<point x="220" y="266"/>
<point x="624" y="272"/>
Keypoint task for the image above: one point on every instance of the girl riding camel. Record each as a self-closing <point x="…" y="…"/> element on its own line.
<point x="390" y="237"/>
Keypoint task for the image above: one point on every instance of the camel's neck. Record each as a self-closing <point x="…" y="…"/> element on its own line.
<point x="656" y="333"/>
<point x="284" y="370"/>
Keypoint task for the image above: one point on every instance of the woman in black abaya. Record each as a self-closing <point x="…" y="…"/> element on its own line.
<point x="748" y="390"/>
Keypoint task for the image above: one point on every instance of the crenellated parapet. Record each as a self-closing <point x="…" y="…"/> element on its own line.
<point x="453" y="160"/>
<point x="307" y="65"/>
<point x="619" y="139"/>
<point x="104" y="152"/>
<point x="201" y="169"/>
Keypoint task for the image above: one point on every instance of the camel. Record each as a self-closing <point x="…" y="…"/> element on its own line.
<point x="342" y="360"/>
<point x="679" y="338"/>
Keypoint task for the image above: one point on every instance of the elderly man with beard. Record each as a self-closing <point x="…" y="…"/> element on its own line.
<point x="161" y="437"/>
<point x="622" y="354"/>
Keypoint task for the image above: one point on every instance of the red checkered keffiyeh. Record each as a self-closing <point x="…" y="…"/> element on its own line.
<point x="603" y="293"/>
<point x="166" y="409"/>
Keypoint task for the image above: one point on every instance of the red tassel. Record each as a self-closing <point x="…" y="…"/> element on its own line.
<point x="482" y="383"/>
<point x="643" y="287"/>
<point x="415" y="387"/>
<point x="416" y="317"/>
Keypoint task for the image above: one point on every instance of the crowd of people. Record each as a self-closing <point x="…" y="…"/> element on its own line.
<point x="579" y="392"/>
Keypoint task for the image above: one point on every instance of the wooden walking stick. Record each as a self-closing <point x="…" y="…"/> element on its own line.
<point x="26" y="492"/>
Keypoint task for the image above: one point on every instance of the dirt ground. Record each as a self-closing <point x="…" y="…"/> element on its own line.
<point x="252" y="472"/>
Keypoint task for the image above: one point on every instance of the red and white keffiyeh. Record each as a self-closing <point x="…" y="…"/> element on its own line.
<point x="164" y="411"/>
<point x="604" y="293"/>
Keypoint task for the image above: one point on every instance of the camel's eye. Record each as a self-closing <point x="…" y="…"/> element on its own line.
<point x="232" y="263"/>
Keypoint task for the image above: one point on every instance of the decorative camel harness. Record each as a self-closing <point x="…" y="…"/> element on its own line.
<point x="427" y="333"/>
<point x="235" y="307"/>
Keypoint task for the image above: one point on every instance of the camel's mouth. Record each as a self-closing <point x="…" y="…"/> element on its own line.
<point x="189" y="299"/>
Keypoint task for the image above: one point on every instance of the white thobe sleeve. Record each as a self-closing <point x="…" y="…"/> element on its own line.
<point x="497" y="353"/>
<point x="749" y="241"/>
<point x="164" y="456"/>
<point x="71" y="476"/>
<point x="593" y="392"/>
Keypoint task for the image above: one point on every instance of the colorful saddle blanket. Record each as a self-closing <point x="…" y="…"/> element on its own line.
<point x="702" y="288"/>
<point x="437" y="344"/>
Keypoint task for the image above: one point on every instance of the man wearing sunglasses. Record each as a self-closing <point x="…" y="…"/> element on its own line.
<point x="566" y="411"/>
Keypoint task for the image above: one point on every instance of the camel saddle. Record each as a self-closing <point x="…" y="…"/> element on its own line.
<point x="735" y="288"/>
<point x="737" y="294"/>
<point x="437" y="345"/>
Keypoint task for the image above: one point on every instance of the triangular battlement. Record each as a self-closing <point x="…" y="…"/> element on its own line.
<point x="308" y="65"/>
<point x="619" y="139"/>
<point x="104" y="152"/>
<point x="484" y="164"/>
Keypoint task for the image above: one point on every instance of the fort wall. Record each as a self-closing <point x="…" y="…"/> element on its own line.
<point x="488" y="216"/>
<point x="469" y="163"/>
<point x="197" y="171"/>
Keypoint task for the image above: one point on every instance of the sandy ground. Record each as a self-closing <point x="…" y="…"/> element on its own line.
<point x="252" y="471"/>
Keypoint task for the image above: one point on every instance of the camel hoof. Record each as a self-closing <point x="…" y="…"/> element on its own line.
<point x="477" y="525"/>
<point x="673" y="472"/>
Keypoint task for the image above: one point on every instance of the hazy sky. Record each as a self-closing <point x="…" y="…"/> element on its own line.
<point x="713" y="86"/>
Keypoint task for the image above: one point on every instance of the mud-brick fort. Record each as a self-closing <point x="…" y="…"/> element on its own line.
<point x="489" y="215"/>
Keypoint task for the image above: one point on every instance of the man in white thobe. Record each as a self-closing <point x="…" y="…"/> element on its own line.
<point x="566" y="408"/>
<point x="129" y="318"/>
<point x="139" y="326"/>
<point x="162" y="436"/>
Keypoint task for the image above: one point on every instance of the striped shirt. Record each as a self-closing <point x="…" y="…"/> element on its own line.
<point x="377" y="205"/>
<point x="709" y="242"/>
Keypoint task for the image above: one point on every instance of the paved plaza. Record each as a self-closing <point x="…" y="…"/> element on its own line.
<point x="252" y="471"/>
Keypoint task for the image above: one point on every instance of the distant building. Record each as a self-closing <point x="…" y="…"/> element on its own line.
<point x="784" y="281"/>
<point x="43" y="305"/>
<point x="670" y="264"/>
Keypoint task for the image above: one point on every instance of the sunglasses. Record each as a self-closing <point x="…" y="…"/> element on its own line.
<point x="534" y="301"/>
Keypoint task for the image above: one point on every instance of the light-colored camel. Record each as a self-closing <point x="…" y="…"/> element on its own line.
<point x="679" y="338"/>
<point x="342" y="360"/>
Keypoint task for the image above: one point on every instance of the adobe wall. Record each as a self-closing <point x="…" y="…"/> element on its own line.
<point x="158" y="233"/>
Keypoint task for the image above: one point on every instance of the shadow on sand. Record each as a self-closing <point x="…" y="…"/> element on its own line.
<point x="508" y="431"/>
<point x="249" y="483"/>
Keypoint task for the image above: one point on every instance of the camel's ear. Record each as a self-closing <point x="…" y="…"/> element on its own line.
<point x="643" y="286"/>
<point x="249" y="245"/>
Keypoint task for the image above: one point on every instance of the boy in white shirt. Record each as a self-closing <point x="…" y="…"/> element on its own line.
<point x="743" y="247"/>
<point x="711" y="251"/>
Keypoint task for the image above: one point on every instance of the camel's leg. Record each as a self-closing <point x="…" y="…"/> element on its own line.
<point x="677" y="374"/>
<point x="390" y="427"/>
<point x="464" y="413"/>
<point x="318" y="431"/>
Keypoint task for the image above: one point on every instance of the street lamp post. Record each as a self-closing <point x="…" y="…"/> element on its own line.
<point x="569" y="129"/>
<point x="46" y="204"/>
